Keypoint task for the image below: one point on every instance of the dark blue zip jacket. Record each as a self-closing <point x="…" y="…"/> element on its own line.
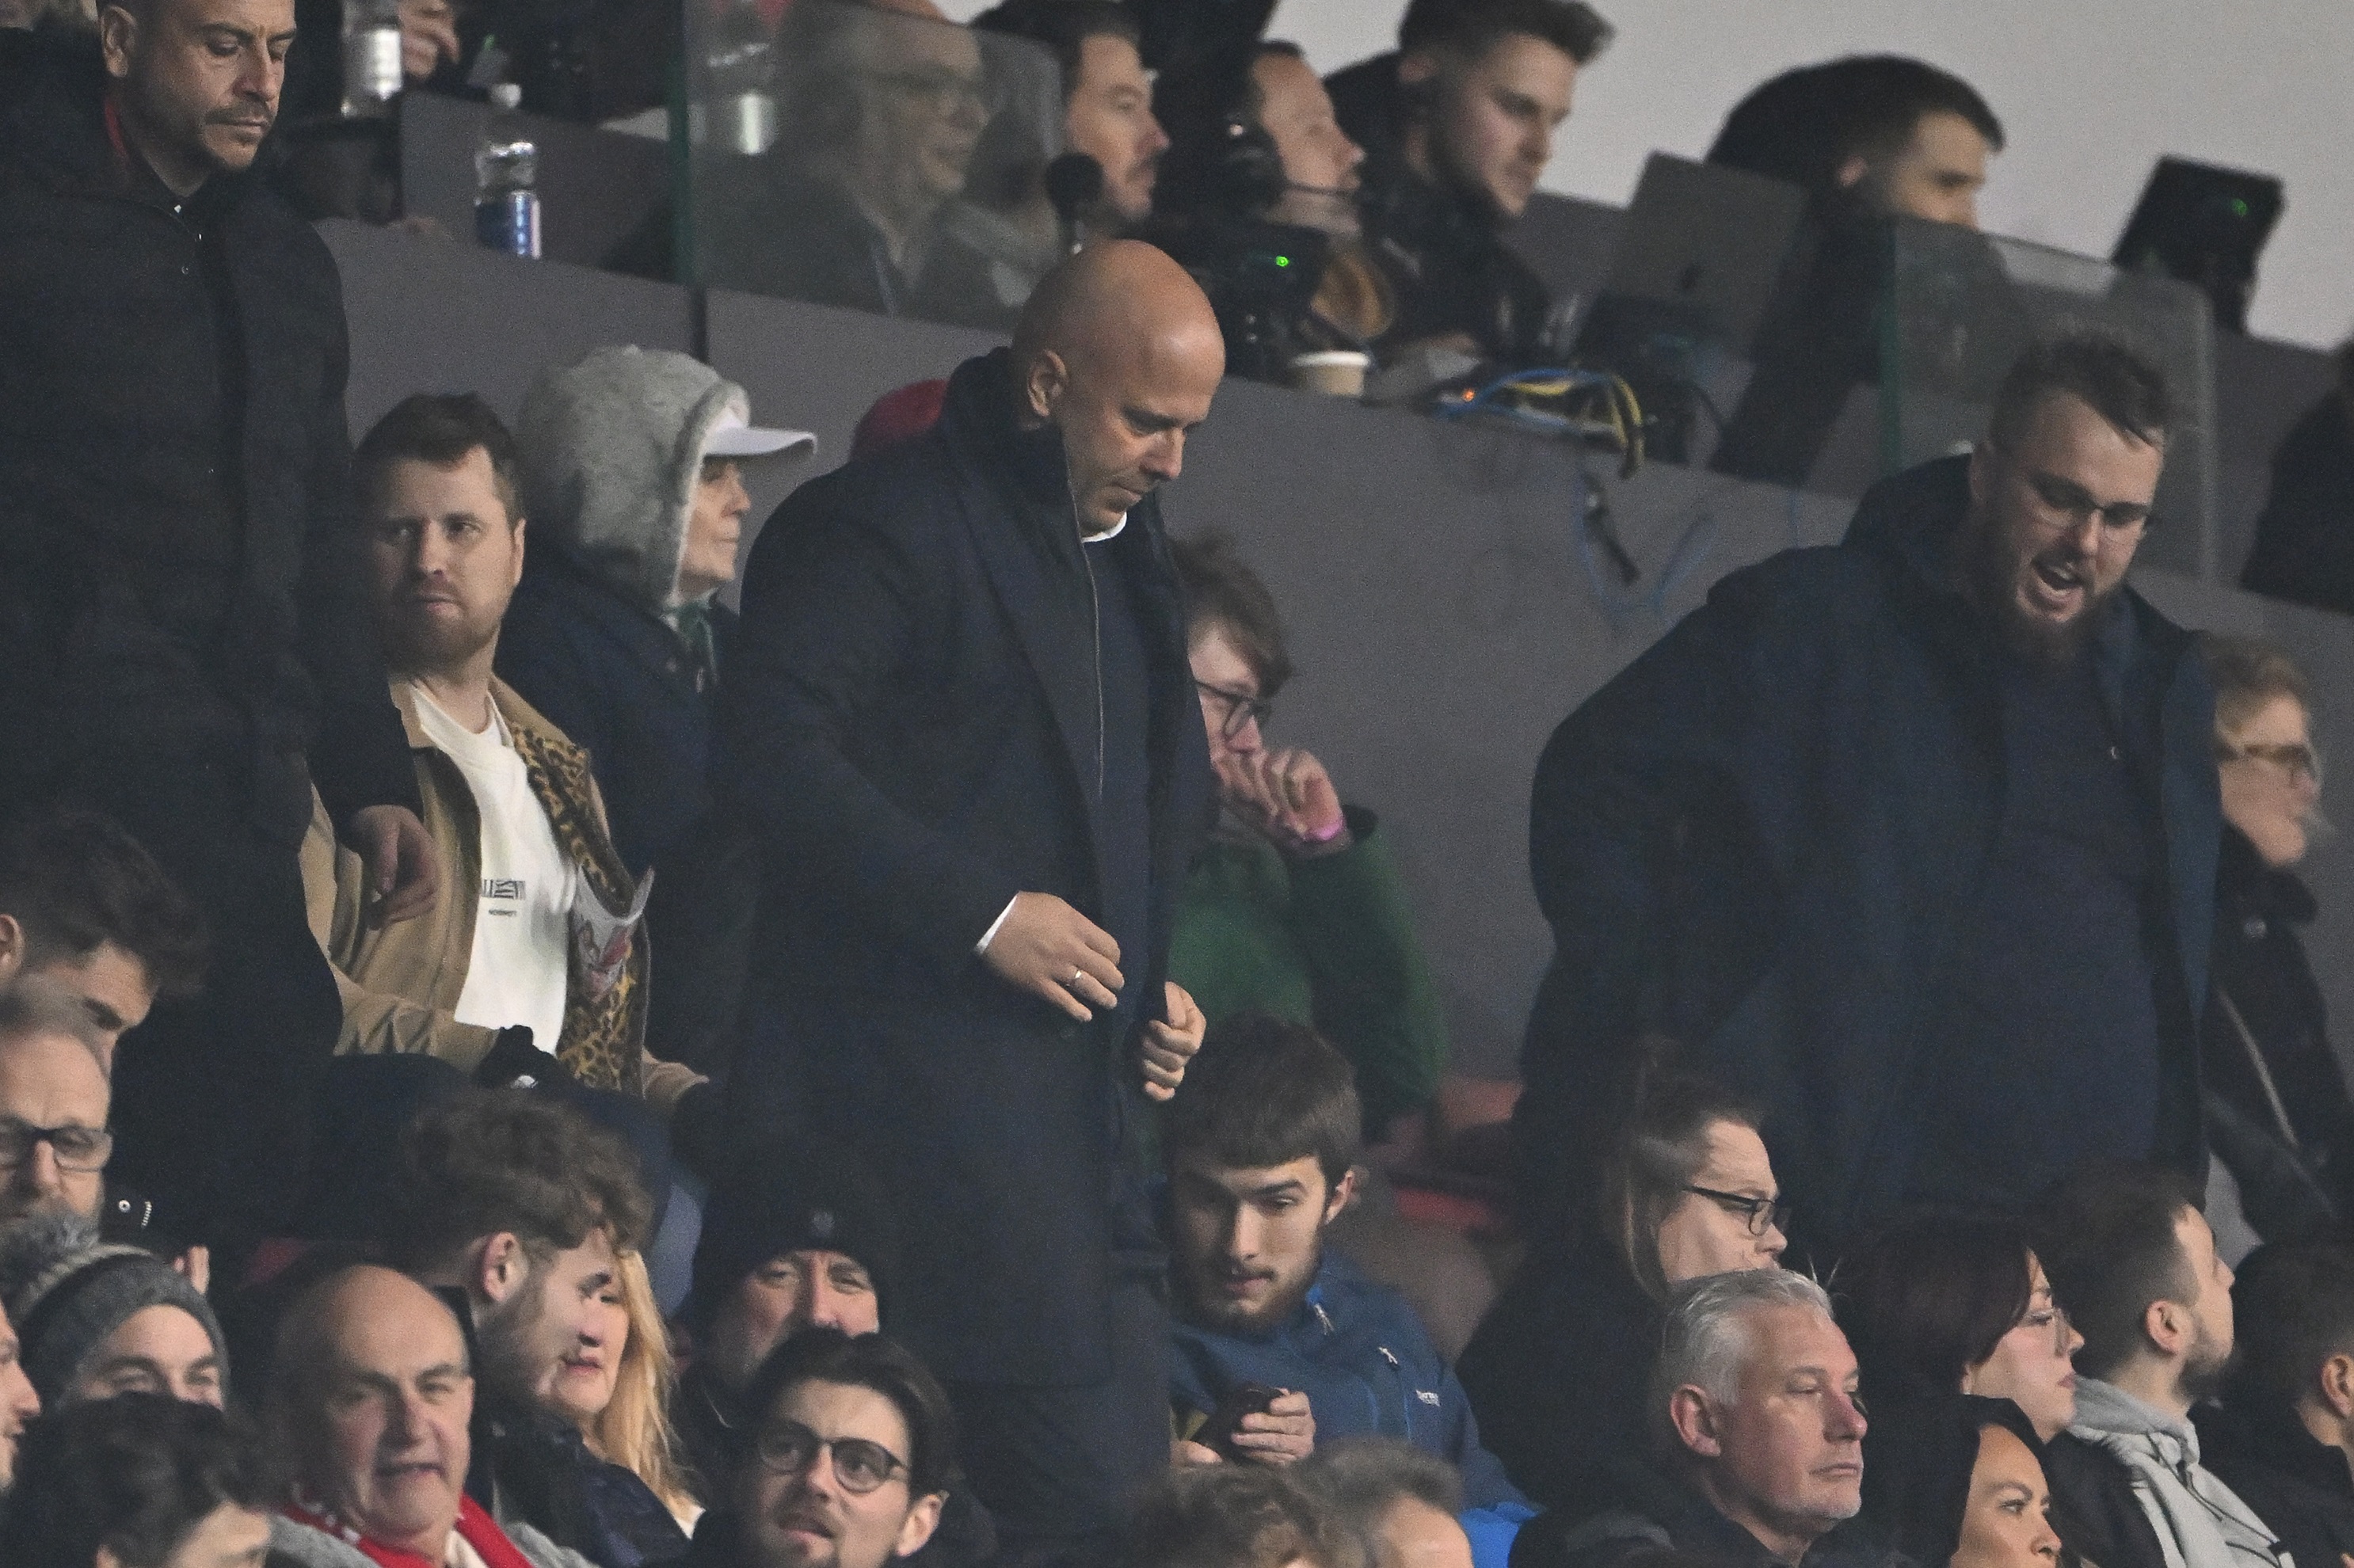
<point x="1361" y="1355"/>
<point x="1766" y="840"/>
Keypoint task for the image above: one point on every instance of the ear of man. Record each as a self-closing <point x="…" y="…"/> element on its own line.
<point x="2167" y="1327"/>
<point x="118" y="38"/>
<point x="12" y="950"/>
<point x="1045" y="379"/>
<point x="2336" y="1381"/>
<point x="500" y="1267"/>
<point x="923" y="1519"/>
<point x="1344" y="1192"/>
<point x="1695" y="1422"/>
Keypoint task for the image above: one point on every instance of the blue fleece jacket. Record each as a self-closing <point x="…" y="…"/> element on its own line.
<point x="1357" y="1352"/>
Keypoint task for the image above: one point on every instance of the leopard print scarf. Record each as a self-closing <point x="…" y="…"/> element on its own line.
<point x="604" y="1040"/>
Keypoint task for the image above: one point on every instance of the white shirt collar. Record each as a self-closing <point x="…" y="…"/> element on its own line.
<point x="1109" y="534"/>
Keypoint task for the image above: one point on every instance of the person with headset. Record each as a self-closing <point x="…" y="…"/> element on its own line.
<point x="1458" y="124"/>
<point x="1101" y="186"/>
<point x="1257" y="197"/>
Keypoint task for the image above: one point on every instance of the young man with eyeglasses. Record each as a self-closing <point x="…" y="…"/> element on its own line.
<point x="849" y="1467"/>
<point x="1279" y="1345"/>
<point x="1295" y="908"/>
<point x="1914" y="839"/>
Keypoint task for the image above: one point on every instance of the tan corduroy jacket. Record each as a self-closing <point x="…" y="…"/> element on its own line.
<point x="402" y="983"/>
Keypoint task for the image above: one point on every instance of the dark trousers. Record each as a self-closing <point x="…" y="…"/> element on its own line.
<point x="1058" y="1468"/>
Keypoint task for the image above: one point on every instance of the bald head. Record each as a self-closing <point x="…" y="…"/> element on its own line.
<point x="1119" y="350"/>
<point x="370" y="1400"/>
<point x="1120" y="290"/>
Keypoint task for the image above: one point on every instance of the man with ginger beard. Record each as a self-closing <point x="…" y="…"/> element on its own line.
<point x="370" y="1400"/>
<point x="1929" y="822"/>
<point x="962" y="718"/>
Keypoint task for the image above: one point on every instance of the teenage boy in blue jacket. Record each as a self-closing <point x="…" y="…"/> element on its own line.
<point x="1260" y="1146"/>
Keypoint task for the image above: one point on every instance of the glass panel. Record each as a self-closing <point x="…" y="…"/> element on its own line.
<point x="857" y="157"/>
<point x="1961" y="306"/>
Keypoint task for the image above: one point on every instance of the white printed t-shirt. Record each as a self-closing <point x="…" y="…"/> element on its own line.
<point x="522" y="923"/>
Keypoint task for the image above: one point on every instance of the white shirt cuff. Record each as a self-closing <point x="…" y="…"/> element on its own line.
<point x="991" y="935"/>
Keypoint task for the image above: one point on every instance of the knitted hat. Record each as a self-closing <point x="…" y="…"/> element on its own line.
<point x="66" y="1291"/>
<point x="815" y="1201"/>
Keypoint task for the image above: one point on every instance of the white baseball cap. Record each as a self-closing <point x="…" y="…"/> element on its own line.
<point x="735" y="437"/>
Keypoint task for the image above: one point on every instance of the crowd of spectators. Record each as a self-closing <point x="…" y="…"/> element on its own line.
<point x="505" y="1060"/>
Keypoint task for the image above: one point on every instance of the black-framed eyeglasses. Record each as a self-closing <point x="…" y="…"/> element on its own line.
<point x="1760" y="1214"/>
<point x="2297" y="761"/>
<point x="1242" y="709"/>
<point x="2123" y="519"/>
<point x="790" y="1448"/>
<point x="78" y="1149"/>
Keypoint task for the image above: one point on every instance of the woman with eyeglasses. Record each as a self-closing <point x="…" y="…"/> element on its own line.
<point x="1682" y="1188"/>
<point x="1936" y="1304"/>
<point x="2278" y="1116"/>
<point x="1946" y="1312"/>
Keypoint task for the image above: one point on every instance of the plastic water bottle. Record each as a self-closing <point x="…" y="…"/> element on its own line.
<point x="372" y="73"/>
<point x="506" y="174"/>
<point x="741" y="62"/>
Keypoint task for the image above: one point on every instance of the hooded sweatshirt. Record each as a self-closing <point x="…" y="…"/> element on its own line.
<point x="598" y="638"/>
<point x="612" y="449"/>
<point x="2200" y="1522"/>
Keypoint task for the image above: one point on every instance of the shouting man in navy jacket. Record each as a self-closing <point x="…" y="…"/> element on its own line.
<point x="961" y="719"/>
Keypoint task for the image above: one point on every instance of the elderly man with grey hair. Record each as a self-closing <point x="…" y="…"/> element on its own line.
<point x="1758" y="1439"/>
<point x="1400" y="1501"/>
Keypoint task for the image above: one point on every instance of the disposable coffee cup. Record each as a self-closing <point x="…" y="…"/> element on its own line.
<point x="1337" y="373"/>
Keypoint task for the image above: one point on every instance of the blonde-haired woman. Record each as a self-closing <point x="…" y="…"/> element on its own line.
<point x="633" y="1430"/>
<point x="593" y="1467"/>
<point x="2278" y="1114"/>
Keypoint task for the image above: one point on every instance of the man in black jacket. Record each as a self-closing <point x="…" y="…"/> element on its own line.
<point x="1457" y="125"/>
<point x="179" y="616"/>
<point x="1912" y="838"/>
<point x="2283" y="1437"/>
<point x="962" y="718"/>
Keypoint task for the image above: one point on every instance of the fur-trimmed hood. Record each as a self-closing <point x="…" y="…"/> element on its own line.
<point x="611" y="448"/>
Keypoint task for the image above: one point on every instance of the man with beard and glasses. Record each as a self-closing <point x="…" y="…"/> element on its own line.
<point x="1261" y="1146"/>
<point x="2134" y="1264"/>
<point x="1912" y="838"/>
<point x="518" y="1212"/>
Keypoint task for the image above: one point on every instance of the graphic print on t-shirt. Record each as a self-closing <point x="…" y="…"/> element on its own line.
<point x="522" y="927"/>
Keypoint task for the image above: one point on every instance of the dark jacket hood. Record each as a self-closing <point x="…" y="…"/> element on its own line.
<point x="2247" y="887"/>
